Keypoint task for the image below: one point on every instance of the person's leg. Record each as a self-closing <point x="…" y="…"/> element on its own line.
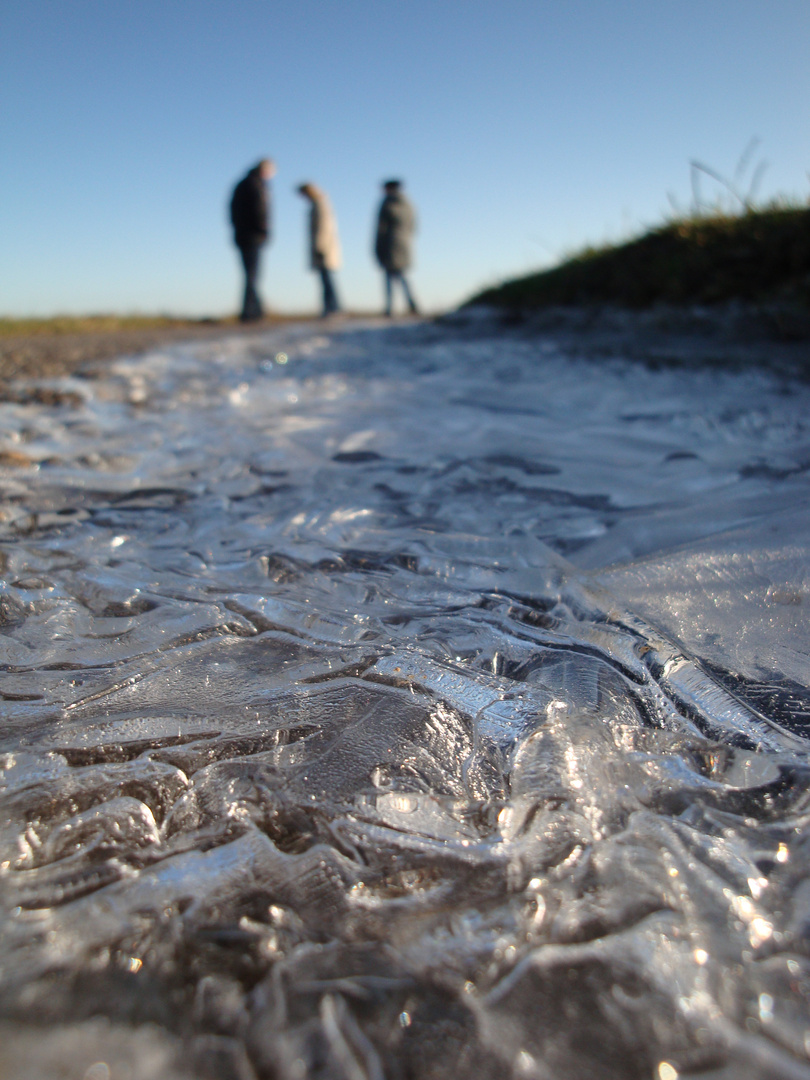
<point x="396" y="285"/>
<point x="330" y="300"/>
<point x="251" y="305"/>
<point x="388" y="278"/>
<point x="414" y="310"/>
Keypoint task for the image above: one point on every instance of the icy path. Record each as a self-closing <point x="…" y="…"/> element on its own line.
<point x="405" y="702"/>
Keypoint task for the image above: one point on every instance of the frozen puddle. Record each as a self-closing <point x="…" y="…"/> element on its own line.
<point x="384" y="702"/>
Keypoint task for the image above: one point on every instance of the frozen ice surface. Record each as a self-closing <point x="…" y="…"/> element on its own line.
<point x="395" y="702"/>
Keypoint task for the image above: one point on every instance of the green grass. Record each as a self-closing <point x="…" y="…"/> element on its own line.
<point x="758" y="256"/>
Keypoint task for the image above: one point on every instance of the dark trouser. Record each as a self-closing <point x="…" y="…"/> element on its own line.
<point x="251" y="305"/>
<point x="330" y="300"/>
<point x="390" y="277"/>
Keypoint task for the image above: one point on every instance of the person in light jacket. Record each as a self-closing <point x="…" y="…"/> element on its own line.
<point x="324" y="246"/>
<point x="396" y="224"/>
<point x="251" y="219"/>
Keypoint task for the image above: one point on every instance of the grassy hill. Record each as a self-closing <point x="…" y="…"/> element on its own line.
<point x="760" y="256"/>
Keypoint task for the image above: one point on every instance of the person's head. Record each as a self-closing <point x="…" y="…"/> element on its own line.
<point x="391" y="186"/>
<point x="307" y="190"/>
<point x="267" y="168"/>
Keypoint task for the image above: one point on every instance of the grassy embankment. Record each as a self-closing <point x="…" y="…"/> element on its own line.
<point x="761" y="256"/>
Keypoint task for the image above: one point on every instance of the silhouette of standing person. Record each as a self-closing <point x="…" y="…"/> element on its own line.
<point x="251" y="219"/>
<point x="396" y="224"/>
<point x="324" y="246"/>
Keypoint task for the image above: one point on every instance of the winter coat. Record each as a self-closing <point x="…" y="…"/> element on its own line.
<point x="395" y="228"/>
<point x="250" y="210"/>
<point x="324" y="245"/>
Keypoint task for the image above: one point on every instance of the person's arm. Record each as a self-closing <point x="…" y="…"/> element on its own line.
<point x="319" y="238"/>
<point x="381" y="240"/>
<point x="265" y="212"/>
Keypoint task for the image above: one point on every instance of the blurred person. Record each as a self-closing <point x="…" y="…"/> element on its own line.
<point x="396" y="224"/>
<point x="251" y="219"/>
<point x="324" y="246"/>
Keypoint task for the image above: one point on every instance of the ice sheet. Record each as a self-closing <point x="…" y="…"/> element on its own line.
<point x="405" y="702"/>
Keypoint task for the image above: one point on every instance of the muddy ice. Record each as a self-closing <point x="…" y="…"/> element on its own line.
<point x="405" y="702"/>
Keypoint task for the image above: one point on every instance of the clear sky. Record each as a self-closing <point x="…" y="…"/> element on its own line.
<point x="523" y="129"/>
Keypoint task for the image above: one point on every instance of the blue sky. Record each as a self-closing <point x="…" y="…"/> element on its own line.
<point x="524" y="129"/>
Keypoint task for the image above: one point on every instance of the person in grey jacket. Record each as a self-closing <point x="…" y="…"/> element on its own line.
<point x="396" y="224"/>
<point x="324" y="246"/>
<point x="251" y="220"/>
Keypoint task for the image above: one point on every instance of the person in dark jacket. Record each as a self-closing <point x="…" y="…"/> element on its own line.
<point x="396" y="224"/>
<point x="251" y="220"/>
